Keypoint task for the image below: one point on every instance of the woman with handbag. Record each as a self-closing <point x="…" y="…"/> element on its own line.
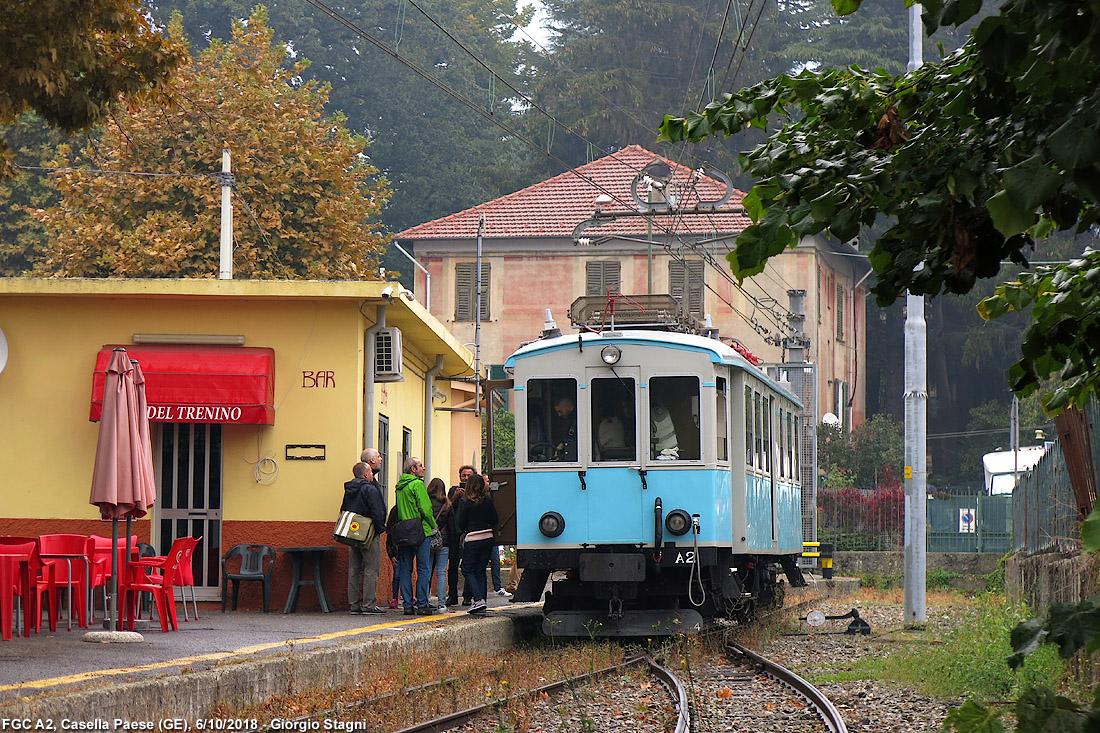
<point x="441" y="539"/>
<point x="475" y="518"/>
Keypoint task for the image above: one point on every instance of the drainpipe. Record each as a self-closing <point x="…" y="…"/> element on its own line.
<point x="368" y="372"/>
<point x="429" y="387"/>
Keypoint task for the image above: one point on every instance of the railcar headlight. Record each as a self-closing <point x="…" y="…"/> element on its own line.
<point x="611" y="355"/>
<point x="678" y="522"/>
<point x="551" y="524"/>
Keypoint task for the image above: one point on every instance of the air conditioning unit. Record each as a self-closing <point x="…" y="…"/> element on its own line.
<point x="387" y="355"/>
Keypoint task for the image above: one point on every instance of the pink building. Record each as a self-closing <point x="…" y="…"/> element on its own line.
<point x="531" y="261"/>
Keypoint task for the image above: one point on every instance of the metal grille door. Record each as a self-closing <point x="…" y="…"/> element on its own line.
<point x="188" y="463"/>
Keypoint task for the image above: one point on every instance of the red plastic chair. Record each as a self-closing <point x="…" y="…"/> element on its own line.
<point x="100" y="553"/>
<point x="187" y="580"/>
<point x="13" y="553"/>
<point x="161" y="586"/>
<point x="41" y="575"/>
<point x="68" y="573"/>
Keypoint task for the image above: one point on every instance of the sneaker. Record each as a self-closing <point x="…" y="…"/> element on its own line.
<point x="373" y="609"/>
<point x="424" y="610"/>
<point x="393" y="603"/>
<point x="500" y="592"/>
<point x="466" y="601"/>
<point x="441" y="608"/>
<point x="452" y="601"/>
<point x="410" y="612"/>
<point x="353" y="612"/>
<point x="478" y="607"/>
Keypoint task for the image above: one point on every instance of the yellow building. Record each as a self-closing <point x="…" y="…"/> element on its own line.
<point x="262" y="394"/>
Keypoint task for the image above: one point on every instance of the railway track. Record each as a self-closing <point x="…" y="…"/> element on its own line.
<point x="743" y="691"/>
<point x="751" y="692"/>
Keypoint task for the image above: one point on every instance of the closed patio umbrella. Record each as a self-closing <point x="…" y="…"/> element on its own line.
<point x="122" y="481"/>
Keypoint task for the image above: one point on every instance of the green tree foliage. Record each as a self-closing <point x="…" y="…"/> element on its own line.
<point x="972" y="157"/>
<point x="303" y="177"/>
<point x="870" y="455"/>
<point x="23" y="239"/>
<point x="72" y="61"/>
<point x="616" y="67"/>
<point x="439" y="155"/>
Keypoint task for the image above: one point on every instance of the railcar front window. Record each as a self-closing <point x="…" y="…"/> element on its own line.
<point x="614" y="422"/>
<point x="551" y="420"/>
<point x="674" y="418"/>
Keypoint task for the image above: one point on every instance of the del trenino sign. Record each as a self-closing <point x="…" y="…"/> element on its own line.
<point x="196" y="413"/>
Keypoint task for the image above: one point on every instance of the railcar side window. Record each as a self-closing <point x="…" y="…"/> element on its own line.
<point x="766" y="413"/>
<point x="750" y="434"/>
<point x="551" y="420"/>
<point x="614" y="421"/>
<point x="790" y="444"/>
<point x="781" y="439"/>
<point x="720" y="418"/>
<point x="758" y="451"/>
<point x="674" y="418"/>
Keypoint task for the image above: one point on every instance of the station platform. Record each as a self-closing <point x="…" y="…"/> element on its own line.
<point x="57" y="681"/>
<point x="237" y="656"/>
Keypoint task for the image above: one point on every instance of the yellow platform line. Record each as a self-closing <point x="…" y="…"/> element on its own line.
<point x="218" y="656"/>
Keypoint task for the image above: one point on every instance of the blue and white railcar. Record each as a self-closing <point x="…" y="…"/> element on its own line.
<point x="656" y="478"/>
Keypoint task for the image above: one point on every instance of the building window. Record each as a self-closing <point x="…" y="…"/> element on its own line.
<point x="840" y="388"/>
<point x="406" y="445"/>
<point x="383" y="449"/>
<point x="602" y="278"/>
<point x="839" y="312"/>
<point x="685" y="283"/>
<point x="466" y="290"/>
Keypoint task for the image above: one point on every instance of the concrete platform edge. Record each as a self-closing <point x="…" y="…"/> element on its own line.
<point x="195" y="695"/>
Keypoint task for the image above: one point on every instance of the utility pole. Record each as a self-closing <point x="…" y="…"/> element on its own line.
<point x="225" y="263"/>
<point x="916" y="413"/>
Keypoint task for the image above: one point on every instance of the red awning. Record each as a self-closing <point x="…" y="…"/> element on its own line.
<point x="205" y="384"/>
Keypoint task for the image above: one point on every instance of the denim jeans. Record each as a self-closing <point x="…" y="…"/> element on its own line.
<point x="494" y="564"/>
<point x="439" y="571"/>
<point x="475" y="559"/>
<point x="406" y="556"/>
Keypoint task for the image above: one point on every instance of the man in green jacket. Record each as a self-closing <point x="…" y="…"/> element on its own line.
<point x="412" y="503"/>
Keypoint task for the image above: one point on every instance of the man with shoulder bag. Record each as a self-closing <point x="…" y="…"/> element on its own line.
<point x="414" y="512"/>
<point x="362" y="496"/>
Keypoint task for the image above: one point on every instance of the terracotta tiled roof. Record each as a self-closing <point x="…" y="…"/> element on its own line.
<point x="554" y="207"/>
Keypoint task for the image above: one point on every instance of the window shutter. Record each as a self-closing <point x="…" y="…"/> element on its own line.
<point x="685" y="284"/>
<point x="676" y="280"/>
<point x="600" y="277"/>
<point x="466" y="293"/>
<point x="839" y="312"/>
<point x="484" y="291"/>
<point x="694" y="287"/>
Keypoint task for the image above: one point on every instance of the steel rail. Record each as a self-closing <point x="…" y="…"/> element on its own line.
<point x="666" y="678"/>
<point x="676" y="690"/>
<point x="825" y="708"/>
